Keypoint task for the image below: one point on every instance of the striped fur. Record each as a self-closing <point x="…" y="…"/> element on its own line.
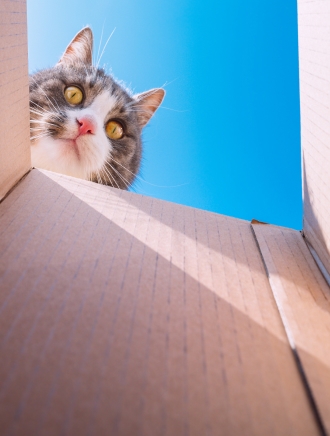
<point x="54" y="122"/>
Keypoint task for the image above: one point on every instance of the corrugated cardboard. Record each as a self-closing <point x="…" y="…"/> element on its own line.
<point x="125" y="315"/>
<point x="303" y="299"/>
<point x="314" y="60"/>
<point x="128" y="315"/>
<point x="15" y="158"/>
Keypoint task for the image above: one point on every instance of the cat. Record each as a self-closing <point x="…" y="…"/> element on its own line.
<point x="83" y="123"/>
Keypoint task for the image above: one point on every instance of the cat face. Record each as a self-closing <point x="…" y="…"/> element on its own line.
<point x="83" y="123"/>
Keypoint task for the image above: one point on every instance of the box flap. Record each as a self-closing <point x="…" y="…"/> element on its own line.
<point x="314" y="60"/>
<point x="129" y="315"/>
<point x="303" y="300"/>
<point x="15" y="158"/>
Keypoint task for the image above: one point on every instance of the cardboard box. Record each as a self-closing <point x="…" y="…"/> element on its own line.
<point x="126" y="315"/>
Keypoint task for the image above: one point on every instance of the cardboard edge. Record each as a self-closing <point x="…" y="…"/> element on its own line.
<point x="313" y="241"/>
<point x="273" y="283"/>
<point x="15" y="185"/>
<point x="317" y="258"/>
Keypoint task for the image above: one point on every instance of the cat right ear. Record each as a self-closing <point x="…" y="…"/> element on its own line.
<point x="147" y="103"/>
<point x="80" y="49"/>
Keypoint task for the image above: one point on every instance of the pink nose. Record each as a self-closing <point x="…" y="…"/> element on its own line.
<point x="86" y="125"/>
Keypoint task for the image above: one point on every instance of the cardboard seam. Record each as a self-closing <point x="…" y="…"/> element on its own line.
<point x="300" y="367"/>
<point x="319" y="247"/>
<point x="317" y="259"/>
<point x="14" y="186"/>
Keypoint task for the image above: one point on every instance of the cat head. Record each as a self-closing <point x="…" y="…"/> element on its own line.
<point x="83" y="123"/>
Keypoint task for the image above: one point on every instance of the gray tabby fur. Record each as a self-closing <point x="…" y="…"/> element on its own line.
<point x="54" y="122"/>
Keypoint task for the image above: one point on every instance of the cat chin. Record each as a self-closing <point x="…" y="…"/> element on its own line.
<point x="78" y="158"/>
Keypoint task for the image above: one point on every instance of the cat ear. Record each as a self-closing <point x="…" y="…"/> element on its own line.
<point x="80" y="48"/>
<point x="147" y="103"/>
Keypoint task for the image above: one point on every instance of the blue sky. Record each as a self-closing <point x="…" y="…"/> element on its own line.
<point x="227" y="138"/>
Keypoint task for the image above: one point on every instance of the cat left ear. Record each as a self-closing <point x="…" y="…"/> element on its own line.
<point x="147" y="103"/>
<point x="80" y="49"/>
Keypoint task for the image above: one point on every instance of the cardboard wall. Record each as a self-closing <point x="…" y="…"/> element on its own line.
<point x="122" y="314"/>
<point x="303" y="299"/>
<point x="15" y="158"/>
<point x="314" y="61"/>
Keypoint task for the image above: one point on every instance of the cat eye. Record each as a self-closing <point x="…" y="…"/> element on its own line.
<point x="114" y="130"/>
<point x="73" y="95"/>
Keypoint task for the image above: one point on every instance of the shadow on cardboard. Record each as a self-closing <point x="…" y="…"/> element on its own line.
<point x="102" y="335"/>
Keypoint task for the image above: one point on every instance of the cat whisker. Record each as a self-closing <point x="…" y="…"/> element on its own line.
<point x="58" y="108"/>
<point x="42" y="132"/>
<point x="42" y="114"/>
<point x="109" y="178"/>
<point x="46" y="123"/>
<point x="143" y="111"/>
<point x="39" y="113"/>
<point x="135" y="175"/>
<point x="49" y="115"/>
<point x="99" y="178"/>
<point x="39" y="130"/>
<point x="151" y="184"/>
<point x="43" y="109"/>
<point x="105" y="45"/>
<point x="114" y="178"/>
<point x="98" y="50"/>
<point x="38" y="134"/>
<point x="38" y="137"/>
<point x="122" y="178"/>
<point x="40" y="107"/>
<point x="110" y="181"/>
<point x="108" y="173"/>
<point x="169" y="83"/>
<point x="174" y="110"/>
<point x="161" y="107"/>
<point x="126" y="182"/>
<point x="44" y="93"/>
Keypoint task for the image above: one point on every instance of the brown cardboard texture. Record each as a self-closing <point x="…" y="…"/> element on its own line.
<point x="314" y="60"/>
<point x="303" y="299"/>
<point x="131" y="315"/>
<point x="126" y="315"/>
<point x="15" y="158"/>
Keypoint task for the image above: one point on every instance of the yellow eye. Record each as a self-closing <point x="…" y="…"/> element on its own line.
<point x="73" y="95"/>
<point x="114" y="130"/>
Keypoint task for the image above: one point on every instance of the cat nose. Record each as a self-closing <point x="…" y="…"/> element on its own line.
<point x="86" y="125"/>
